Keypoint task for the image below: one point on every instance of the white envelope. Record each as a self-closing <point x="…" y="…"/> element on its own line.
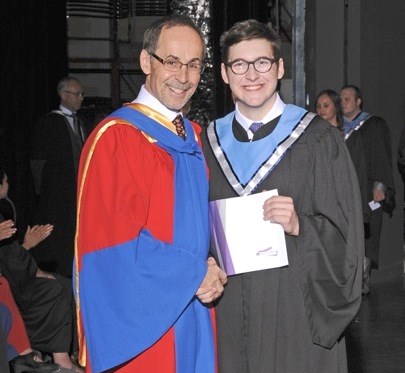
<point x="241" y="239"/>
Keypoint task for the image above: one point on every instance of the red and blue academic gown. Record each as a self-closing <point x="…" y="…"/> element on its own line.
<point x="141" y="247"/>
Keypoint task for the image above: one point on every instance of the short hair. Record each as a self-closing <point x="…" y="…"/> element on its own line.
<point x="248" y="30"/>
<point x="336" y="102"/>
<point x="152" y="33"/>
<point x="64" y="82"/>
<point x="357" y="92"/>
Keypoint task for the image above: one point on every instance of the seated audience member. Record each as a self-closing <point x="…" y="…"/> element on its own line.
<point x="45" y="300"/>
<point x="19" y="352"/>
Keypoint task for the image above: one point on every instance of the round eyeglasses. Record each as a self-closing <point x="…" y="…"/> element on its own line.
<point x="261" y="65"/>
<point x="173" y="65"/>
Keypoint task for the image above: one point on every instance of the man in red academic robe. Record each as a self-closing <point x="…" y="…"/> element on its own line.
<point x="142" y="276"/>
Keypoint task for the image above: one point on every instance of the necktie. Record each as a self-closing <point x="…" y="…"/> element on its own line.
<point x="255" y="126"/>
<point x="179" y="123"/>
<point x="76" y="127"/>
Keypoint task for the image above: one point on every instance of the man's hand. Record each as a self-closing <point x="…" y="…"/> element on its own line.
<point x="281" y="210"/>
<point x="36" y="234"/>
<point x="7" y="229"/>
<point x="213" y="284"/>
<point x="378" y="195"/>
<point x="379" y="190"/>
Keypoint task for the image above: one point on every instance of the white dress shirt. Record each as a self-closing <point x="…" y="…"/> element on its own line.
<point x="274" y="112"/>
<point x="146" y="98"/>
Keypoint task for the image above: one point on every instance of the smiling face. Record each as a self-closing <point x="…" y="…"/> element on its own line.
<point x="326" y="109"/>
<point x="173" y="89"/>
<point x="254" y="91"/>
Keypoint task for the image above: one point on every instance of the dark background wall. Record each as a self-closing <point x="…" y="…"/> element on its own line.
<point x="32" y="60"/>
<point x="374" y="60"/>
<point x="382" y="79"/>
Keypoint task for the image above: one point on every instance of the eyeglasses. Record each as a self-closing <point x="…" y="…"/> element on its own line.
<point x="261" y="65"/>
<point x="172" y="65"/>
<point x="77" y="94"/>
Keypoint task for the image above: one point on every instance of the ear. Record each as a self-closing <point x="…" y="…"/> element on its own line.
<point x="63" y="98"/>
<point x="144" y="60"/>
<point x="358" y="102"/>
<point x="224" y="74"/>
<point x="280" y="72"/>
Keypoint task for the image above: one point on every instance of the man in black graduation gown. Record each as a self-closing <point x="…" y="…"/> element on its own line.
<point x="56" y="147"/>
<point x="377" y="148"/>
<point x="289" y="319"/>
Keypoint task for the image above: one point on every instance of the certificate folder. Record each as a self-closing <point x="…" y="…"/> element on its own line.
<point x="241" y="240"/>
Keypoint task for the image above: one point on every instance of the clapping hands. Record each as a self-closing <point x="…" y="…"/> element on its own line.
<point x="36" y="234"/>
<point x="7" y="229"/>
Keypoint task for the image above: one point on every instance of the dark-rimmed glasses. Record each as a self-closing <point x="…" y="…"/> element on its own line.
<point x="173" y="65"/>
<point x="77" y="94"/>
<point x="261" y="65"/>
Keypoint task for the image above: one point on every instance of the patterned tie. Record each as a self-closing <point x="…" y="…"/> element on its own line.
<point x="255" y="126"/>
<point x="179" y="123"/>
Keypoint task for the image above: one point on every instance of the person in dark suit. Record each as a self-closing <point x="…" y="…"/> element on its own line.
<point x="56" y="146"/>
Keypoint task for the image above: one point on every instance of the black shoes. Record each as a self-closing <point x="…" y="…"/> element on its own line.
<point x="27" y="364"/>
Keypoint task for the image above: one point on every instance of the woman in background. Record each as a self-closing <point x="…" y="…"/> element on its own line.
<point x="328" y="106"/>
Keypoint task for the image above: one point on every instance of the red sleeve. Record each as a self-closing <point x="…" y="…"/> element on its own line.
<point x="123" y="177"/>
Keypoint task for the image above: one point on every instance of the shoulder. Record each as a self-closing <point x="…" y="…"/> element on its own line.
<point x="374" y="119"/>
<point x="115" y="135"/>
<point x="323" y="139"/>
<point x="50" y="119"/>
<point x="53" y="116"/>
<point x="223" y="121"/>
<point x="374" y="125"/>
<point x="320" y="129"/>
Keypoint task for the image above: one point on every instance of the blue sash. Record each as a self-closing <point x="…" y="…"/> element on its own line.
<point x="246" y="163"/>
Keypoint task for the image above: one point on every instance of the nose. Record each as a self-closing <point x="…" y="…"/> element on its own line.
<point x="183" y="74"/>
<point x="251" y="73"/>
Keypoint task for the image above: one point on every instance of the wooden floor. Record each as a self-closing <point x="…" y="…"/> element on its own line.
<point x="376" y="337"/>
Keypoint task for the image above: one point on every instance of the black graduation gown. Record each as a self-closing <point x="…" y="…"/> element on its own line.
<point x="291" y="319"/>
<point x="54" y="163"/>
<point x="401" y="155"/>
<point x="46" y="305"/>
<point x="377" y="145"/>
<point x="356" y="149"/>
<point x="401" y="166"/>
